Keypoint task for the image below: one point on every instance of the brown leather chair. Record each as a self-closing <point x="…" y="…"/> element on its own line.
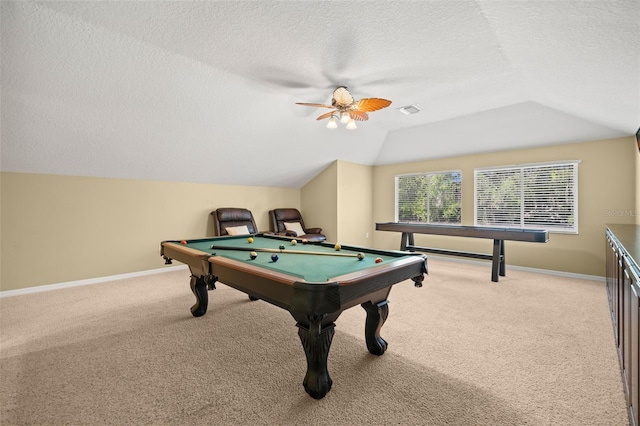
<point x="228" y="217"/>
<point x="278" y="218"/>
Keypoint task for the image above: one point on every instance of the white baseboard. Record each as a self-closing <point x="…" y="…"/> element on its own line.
<point x="524" y="268"/>
<point x="49" y="287"/>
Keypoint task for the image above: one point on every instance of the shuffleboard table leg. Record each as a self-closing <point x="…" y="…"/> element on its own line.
<point x="496" y="265"/>
<point x="407" y="241"/>
<point x="503" y="260"/>
<point x="377" y="314"/>
<point x="316" y="342"/>
<point x="199" y="289"/>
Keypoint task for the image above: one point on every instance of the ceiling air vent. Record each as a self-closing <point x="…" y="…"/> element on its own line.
<point x="410" y="109"/>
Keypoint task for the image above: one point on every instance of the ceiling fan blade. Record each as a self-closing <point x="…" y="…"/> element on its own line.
<point x="327" y="115"/>
<point x="342" y="97"/>
<point x="371" y="104"/>
<point x="315" y="105"/>
<point x="358" y="115"/>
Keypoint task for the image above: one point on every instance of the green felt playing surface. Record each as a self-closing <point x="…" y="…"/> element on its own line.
<point x="311" y="268"/>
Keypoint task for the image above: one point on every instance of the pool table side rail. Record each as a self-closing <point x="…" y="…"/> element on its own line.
<point x="272" y="286"/>
<point x="337" y="293"/>
<point x="358" y="284"/>
<point x="420" y="261"/>
<point x="197" y="260"/>
<point x="175" y="244"/>
<point x="344" y="246"/>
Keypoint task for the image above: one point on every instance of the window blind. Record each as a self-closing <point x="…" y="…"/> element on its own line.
<point x="429" y="197"/>
<point x="540" y="196"/>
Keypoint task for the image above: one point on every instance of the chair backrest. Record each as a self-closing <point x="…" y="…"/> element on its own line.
<point x="228" y="217"/>
<point x="280" y="216"/>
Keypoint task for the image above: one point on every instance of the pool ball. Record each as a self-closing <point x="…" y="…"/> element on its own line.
<point x="249" y="240"/>
<point x="281" y="247"/>
<point x="304" y="241"/>
<point x="337" y="247"/>
<point x="360" y="256"/>
<point x="253" y="255"/>
<point x="378" y="260"/>
<point x="183" y="242"/>
<point x="274" y="257"/>
<point x="294" y="242"/>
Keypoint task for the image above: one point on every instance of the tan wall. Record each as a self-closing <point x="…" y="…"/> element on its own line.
<point x="606" y="193"/>
<point x="339" y="200"/>
<point x="320" y="202"/>
<point x="62" y="228"/>
<point x="355" y="204"/>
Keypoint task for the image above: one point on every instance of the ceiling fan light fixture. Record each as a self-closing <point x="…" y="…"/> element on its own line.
<point x="346" y="109"/>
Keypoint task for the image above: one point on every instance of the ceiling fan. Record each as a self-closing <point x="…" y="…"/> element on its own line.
<point x="348" y="110"/>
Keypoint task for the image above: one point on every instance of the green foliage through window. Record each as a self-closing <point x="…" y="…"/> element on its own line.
<point x="429" y="197"/>
<point x="536" y="196"/>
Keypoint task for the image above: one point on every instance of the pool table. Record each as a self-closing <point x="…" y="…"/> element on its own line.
<point x="314" y="282"/>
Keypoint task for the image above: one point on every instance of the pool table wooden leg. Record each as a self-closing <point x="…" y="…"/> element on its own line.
<point x="377" y="314"/>
<point x="316" y="342"/>
<point x="199" y="289"/>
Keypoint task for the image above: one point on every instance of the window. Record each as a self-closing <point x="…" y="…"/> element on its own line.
<point x="541" y="196"/>
<point x="429" y="197"/>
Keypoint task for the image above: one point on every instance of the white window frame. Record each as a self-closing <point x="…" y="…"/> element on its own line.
<point x="429" y="174"/>
<point x="522" y="220"/>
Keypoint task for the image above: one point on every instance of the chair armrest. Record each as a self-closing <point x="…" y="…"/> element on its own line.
<point x="314" y="230"/>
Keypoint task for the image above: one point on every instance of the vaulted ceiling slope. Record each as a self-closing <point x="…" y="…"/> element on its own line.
<point x="205" y="91"/>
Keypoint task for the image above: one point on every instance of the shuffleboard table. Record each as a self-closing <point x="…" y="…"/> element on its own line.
<point x="498" y="235"/>
<point x="314" y="282"/>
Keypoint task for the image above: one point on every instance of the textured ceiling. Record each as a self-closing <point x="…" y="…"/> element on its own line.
<point x="205" y="91"/>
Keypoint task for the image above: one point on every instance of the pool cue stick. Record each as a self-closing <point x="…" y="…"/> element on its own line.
<point x="269" y="250"/>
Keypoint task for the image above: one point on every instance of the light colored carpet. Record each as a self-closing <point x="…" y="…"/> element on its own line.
<point x="532" y="349"/>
